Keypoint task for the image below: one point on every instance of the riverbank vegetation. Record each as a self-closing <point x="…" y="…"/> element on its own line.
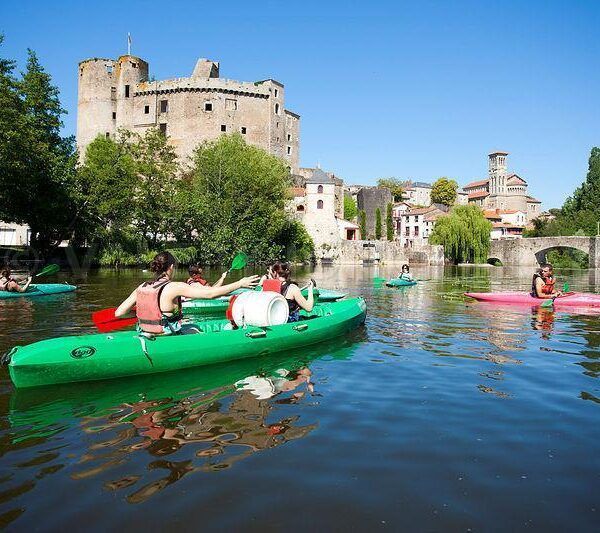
<point x="130" y="195"/>
<point x="465" y="234"/>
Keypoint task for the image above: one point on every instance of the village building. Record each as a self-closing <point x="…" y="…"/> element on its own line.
<point x="502" y="190"/>
<point x="506" y="223"/>
<point x="14" y="235"/>
<point x="114" y="94"/>
<point x="417" y="193"/>
<point x="416" y="224"/>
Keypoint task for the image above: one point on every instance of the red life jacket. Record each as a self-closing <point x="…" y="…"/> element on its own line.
<point x="276" y="285"/>
<point x="196" y="279"/>
<point x="149" y="314"/>
<point x="547" y="288"/>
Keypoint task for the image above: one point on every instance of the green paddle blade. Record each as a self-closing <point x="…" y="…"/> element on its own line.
<point x="48" y="270"/>
<point x="239" y="261"/>
<point x="548" y="303"/>
<point x="378" y="282"/>
<point x="565" y="287"/>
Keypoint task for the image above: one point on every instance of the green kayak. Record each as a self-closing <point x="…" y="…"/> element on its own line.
<point x="218" y="306"/>
<point x="398" y="282"/>
<point x="102" y="356"/>
<point x="39" y="289"/>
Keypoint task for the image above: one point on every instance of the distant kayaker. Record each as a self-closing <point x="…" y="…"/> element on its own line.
<point x="158" y="302"/>
<point x="543" y="283"/>
<point x="405" y="274"/>
<point x="9" y="284"/>
<point x="278" y="280"/>
<point x="196" y="273"/>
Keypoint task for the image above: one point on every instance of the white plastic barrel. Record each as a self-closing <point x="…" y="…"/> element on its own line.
<point x="260" y="309"/>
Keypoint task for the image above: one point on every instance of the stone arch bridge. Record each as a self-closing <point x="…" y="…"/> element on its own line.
<point x="531" y="251"/>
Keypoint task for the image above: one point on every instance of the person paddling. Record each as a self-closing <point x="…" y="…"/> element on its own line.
<point x="543" y="283"/>
<point x="278" y="280"/>
<point x="196" y="273"/>
<point x="158" y="302"/>
<point x="405" y="274"/>
<point x="9" y="284"/>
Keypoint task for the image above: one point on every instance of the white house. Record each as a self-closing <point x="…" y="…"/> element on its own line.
<point x="417" y="225"/>
<point x="14" y="235"/>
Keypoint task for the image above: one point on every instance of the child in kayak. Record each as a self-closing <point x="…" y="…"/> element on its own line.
<point x="195" y="272"/>
<point x="158" y="302"/>
<point x="543" y="283"/>
<point x="9" y="284"/>
<point x="405" y="274"/>
<point x="278" y="280"/>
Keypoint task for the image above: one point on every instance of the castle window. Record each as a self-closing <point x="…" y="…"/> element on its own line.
<point x="207" y="106"/>
<point x="146" y="110"/>
<point x="277" y="111"/>
<point x="243" y="130"/>
<point x="320" y="189"/>
<point x="164" y="106"/>
<point x="163" y="128"/>
<point x="276" y="93"/>
<point x="289" y="150"/>
<point x="114" y="115"/>
<point x="300" y="208"/>
<point x="230" y="104"/>
<point x="126" y="91"/>
<point x="107" y="135"/>
<point x="113" y="93"/>
<point x="223" y="127"/>
<point x="289" y="137"/>
<point x="109" y="69"/>
<point x="134" y="65"/>
<point x="320" y="204"/>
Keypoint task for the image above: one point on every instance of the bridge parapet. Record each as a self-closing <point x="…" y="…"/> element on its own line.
<point x="529" y="251"/>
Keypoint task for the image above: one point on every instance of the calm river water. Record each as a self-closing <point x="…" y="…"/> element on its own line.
<point x="440" y="414"/>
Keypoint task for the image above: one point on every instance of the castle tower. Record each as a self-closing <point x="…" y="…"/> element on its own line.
<point x="130" y="71"/>
<point x="97" y="100"/>
<point x="497" y="173"/>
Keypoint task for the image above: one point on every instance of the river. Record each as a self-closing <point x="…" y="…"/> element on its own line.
<point x="440" y="414"/>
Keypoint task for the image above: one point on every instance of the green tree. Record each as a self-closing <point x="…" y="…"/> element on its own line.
<point x="394" y="185"/>
<point x="362" y="222"/>
<point x="37" y="177"/>
<point x="389" y="223"/>
<point x="238" y="194"/>
<point x="378" y="223"/>
<point x="350" y="208"/>
<point x="464" y="233"/>
<point x="444" y="191"/>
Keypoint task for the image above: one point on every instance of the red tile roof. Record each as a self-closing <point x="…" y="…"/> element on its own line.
<point x="297" y="191"/>
<point x="479" y="183"/>
<point x="532" y="200"/>
<point x="480" y="194"/>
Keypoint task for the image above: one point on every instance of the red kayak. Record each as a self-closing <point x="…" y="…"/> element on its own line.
<point x="572" y="299"/>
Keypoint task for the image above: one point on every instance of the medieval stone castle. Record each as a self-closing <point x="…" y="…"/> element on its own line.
<point x="116" y="94"/>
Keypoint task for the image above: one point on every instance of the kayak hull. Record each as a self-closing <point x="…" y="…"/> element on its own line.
<point x="397" y="282"/>
<point x="101" y="356"/>
<point x="39" y="289"/>
<point x="577" y="299"/>
<point x="218" y="306"/>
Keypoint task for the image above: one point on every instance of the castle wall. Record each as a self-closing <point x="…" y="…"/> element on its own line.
<point x="368" y="200"/>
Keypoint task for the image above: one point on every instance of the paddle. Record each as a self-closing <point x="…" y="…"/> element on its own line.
<point x="47" y="271"/>
<point x="239" y="262"/>
<point x="106" y="321"/>
<point x="550" y="302"/>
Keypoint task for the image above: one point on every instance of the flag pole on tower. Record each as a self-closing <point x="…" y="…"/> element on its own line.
<point x="128" y="44"/>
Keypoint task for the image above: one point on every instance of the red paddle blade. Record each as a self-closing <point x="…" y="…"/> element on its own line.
<point x="106" y="321"/>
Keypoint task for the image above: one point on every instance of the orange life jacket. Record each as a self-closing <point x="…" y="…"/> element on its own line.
<point x="272" y="285"/>
<point x="196" y="279"/>
<point x="547" y="288"/>
<point x="150" y="317"/>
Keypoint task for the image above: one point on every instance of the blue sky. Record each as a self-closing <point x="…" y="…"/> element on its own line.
<point x="407" y="89"/>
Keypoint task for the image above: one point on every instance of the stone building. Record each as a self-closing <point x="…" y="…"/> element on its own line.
<point x="416" y="224"/>
<point x="368" y="200"/>
<point x="119" y="93"/>
<point x="306" y="174"/>
<point x="417" y="193"/>
<point x="502" y="190"/>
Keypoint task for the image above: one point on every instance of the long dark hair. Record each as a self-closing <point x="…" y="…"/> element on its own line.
<point x="161" y="263"/>
<point x="5" y="272"/>
<point x="407" y="267"/>
<point x="282" y="269"/>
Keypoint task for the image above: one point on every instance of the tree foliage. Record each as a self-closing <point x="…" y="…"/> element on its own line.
<point x="394" y="185"/>
<point x="378" y="223"/>
<point x="444" y="191"/>
<point x="464" y="233"/>
<point x="350" y="208"/>
<point x="389" y="222"/>
<point x="362" y="222"/>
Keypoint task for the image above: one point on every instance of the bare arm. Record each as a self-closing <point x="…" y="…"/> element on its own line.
<point x="219" y="282"/>
<point x="539" y="283"/>
<point x="126" y="306"/>
<point x="306" y="303"/>
<point x="198" y="291"/>
<point x="26" y="286"/>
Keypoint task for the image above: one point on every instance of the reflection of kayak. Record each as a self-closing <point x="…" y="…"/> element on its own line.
<point x="575" y="299"/>
<point x="219" y="305"/>
<point x="398" y="282"/>
<point x="39" y="289"/>
<point x="100" y="356"/>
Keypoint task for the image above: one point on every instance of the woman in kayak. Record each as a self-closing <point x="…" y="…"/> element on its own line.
<point x="9" y="284"/>
<point x="543" y="283"/>
<point x="278" y="280"/>
<point x="405" y="274"/>
<point x="195" y="272"/>
<point x="158" y="302"/>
